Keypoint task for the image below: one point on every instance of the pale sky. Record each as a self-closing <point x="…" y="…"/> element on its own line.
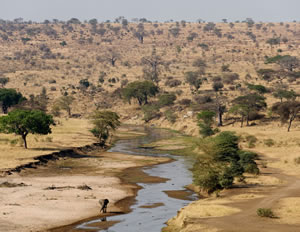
<point x="160" y="10"/>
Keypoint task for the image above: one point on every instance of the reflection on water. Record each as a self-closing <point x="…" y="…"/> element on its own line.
<point x="150" y="219"/>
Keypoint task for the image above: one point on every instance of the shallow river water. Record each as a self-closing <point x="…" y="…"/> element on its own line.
<point x="150" y="219"/>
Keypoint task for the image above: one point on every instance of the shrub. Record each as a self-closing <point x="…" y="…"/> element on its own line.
<point x="150" y="112"/>
<point x="49" y="139"/>
<point x="185" y="102"/>
<point x="166" y="99"/>
<point x="84" y="83"/>
<point x="269" y="142"/>
<point x="173" y="83"/>
<point x="247" y="161"/>
<point x="229" y="78"/>
<point x="207" y="177"/>
<point x="251" y="140"/>
<point x="265" y="212"/>
<point x="203" y="46"/>
<point x="217" y="86"/>
<point x="171" y="117"/>
<point x="297" y="160"/>
<point x="202" y="99"/>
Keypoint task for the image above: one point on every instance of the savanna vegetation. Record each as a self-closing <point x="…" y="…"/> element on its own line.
<point x="198" y="78"/>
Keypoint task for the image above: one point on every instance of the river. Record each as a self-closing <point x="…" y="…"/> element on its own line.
<point x="150" y="219"/>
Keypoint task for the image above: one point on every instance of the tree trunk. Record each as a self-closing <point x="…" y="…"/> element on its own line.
<point x="24" y="139"/>
<point x="290" y="122"/>
<point x="220" y="114"/>
<point x="113" y="61"/>
<point x="69" y="112"/>
<point x="242" y="121"/>
<point x="4" y="109"/>
<point x="247" y="120"/>
<point x="140" y="102"/>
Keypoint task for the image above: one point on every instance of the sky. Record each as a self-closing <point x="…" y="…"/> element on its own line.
<point x="154" y="10"/>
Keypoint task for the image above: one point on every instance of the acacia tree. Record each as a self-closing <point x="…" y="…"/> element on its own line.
<point x="10" y="97"/>
<point x="141" y="90"/>
<point x="104" y="122"/>
<point x="244" y="105"/>
<point x="287" y="111"/>
<point x="285" y="94"/>
<point x="289" y="63"/>
<point x="23" y="122"/>
<point x="64" y="103"/>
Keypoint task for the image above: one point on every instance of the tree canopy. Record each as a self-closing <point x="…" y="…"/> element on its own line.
<point x="10" y="97"/>
<point x="141" y="90"/>
<point x="244" y="105"/>
<point x="287" y="111"/>
<point x="194" y="80"/>
<point x="64" y="103"/>
<point x="23" y="122"/>
<point x="287" y="94"/>
<point x="104" y="122"/>
<point x="205" y="121"/>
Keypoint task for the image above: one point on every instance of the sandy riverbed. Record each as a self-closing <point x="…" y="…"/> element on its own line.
<point x="52" y="194"/>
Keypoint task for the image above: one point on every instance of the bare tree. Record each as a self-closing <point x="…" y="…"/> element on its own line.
<point x="152" y="66"/>
<point x="289" y="62"/>
<point x="112" y="56"/>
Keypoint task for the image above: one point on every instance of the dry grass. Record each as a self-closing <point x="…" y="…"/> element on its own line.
<point x="67" y="134"/>
<point x="288" y="210"/>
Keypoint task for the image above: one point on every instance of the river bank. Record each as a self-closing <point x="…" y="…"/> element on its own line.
<point x="67" y="190"/>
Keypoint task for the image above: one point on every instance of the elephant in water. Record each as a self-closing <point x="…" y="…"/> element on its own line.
<point x="103" y="203"/>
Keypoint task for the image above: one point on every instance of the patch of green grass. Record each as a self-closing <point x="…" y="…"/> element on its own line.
<point x="265" y="212"/>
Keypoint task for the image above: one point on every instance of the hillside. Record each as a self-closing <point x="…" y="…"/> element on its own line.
<point x="58" y="56"/>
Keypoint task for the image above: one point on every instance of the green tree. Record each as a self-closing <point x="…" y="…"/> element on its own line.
<point x="205" y="121"/>
<point x="104" y="122"/>
<point x="141" y="90"/>
<point x="166" y="99"/>
<point x="244" y="105"/>
<point x="23" y="122"/>
<point x="10" y="97"/>
<point x="258" y="88"/>
<point x="221" y="161"/>
<point x="287" y="94"/>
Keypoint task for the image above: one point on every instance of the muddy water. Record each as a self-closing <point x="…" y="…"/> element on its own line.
<point x="156" y="202"/>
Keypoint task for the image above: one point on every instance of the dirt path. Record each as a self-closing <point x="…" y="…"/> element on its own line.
<point x="247" y="220"/>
